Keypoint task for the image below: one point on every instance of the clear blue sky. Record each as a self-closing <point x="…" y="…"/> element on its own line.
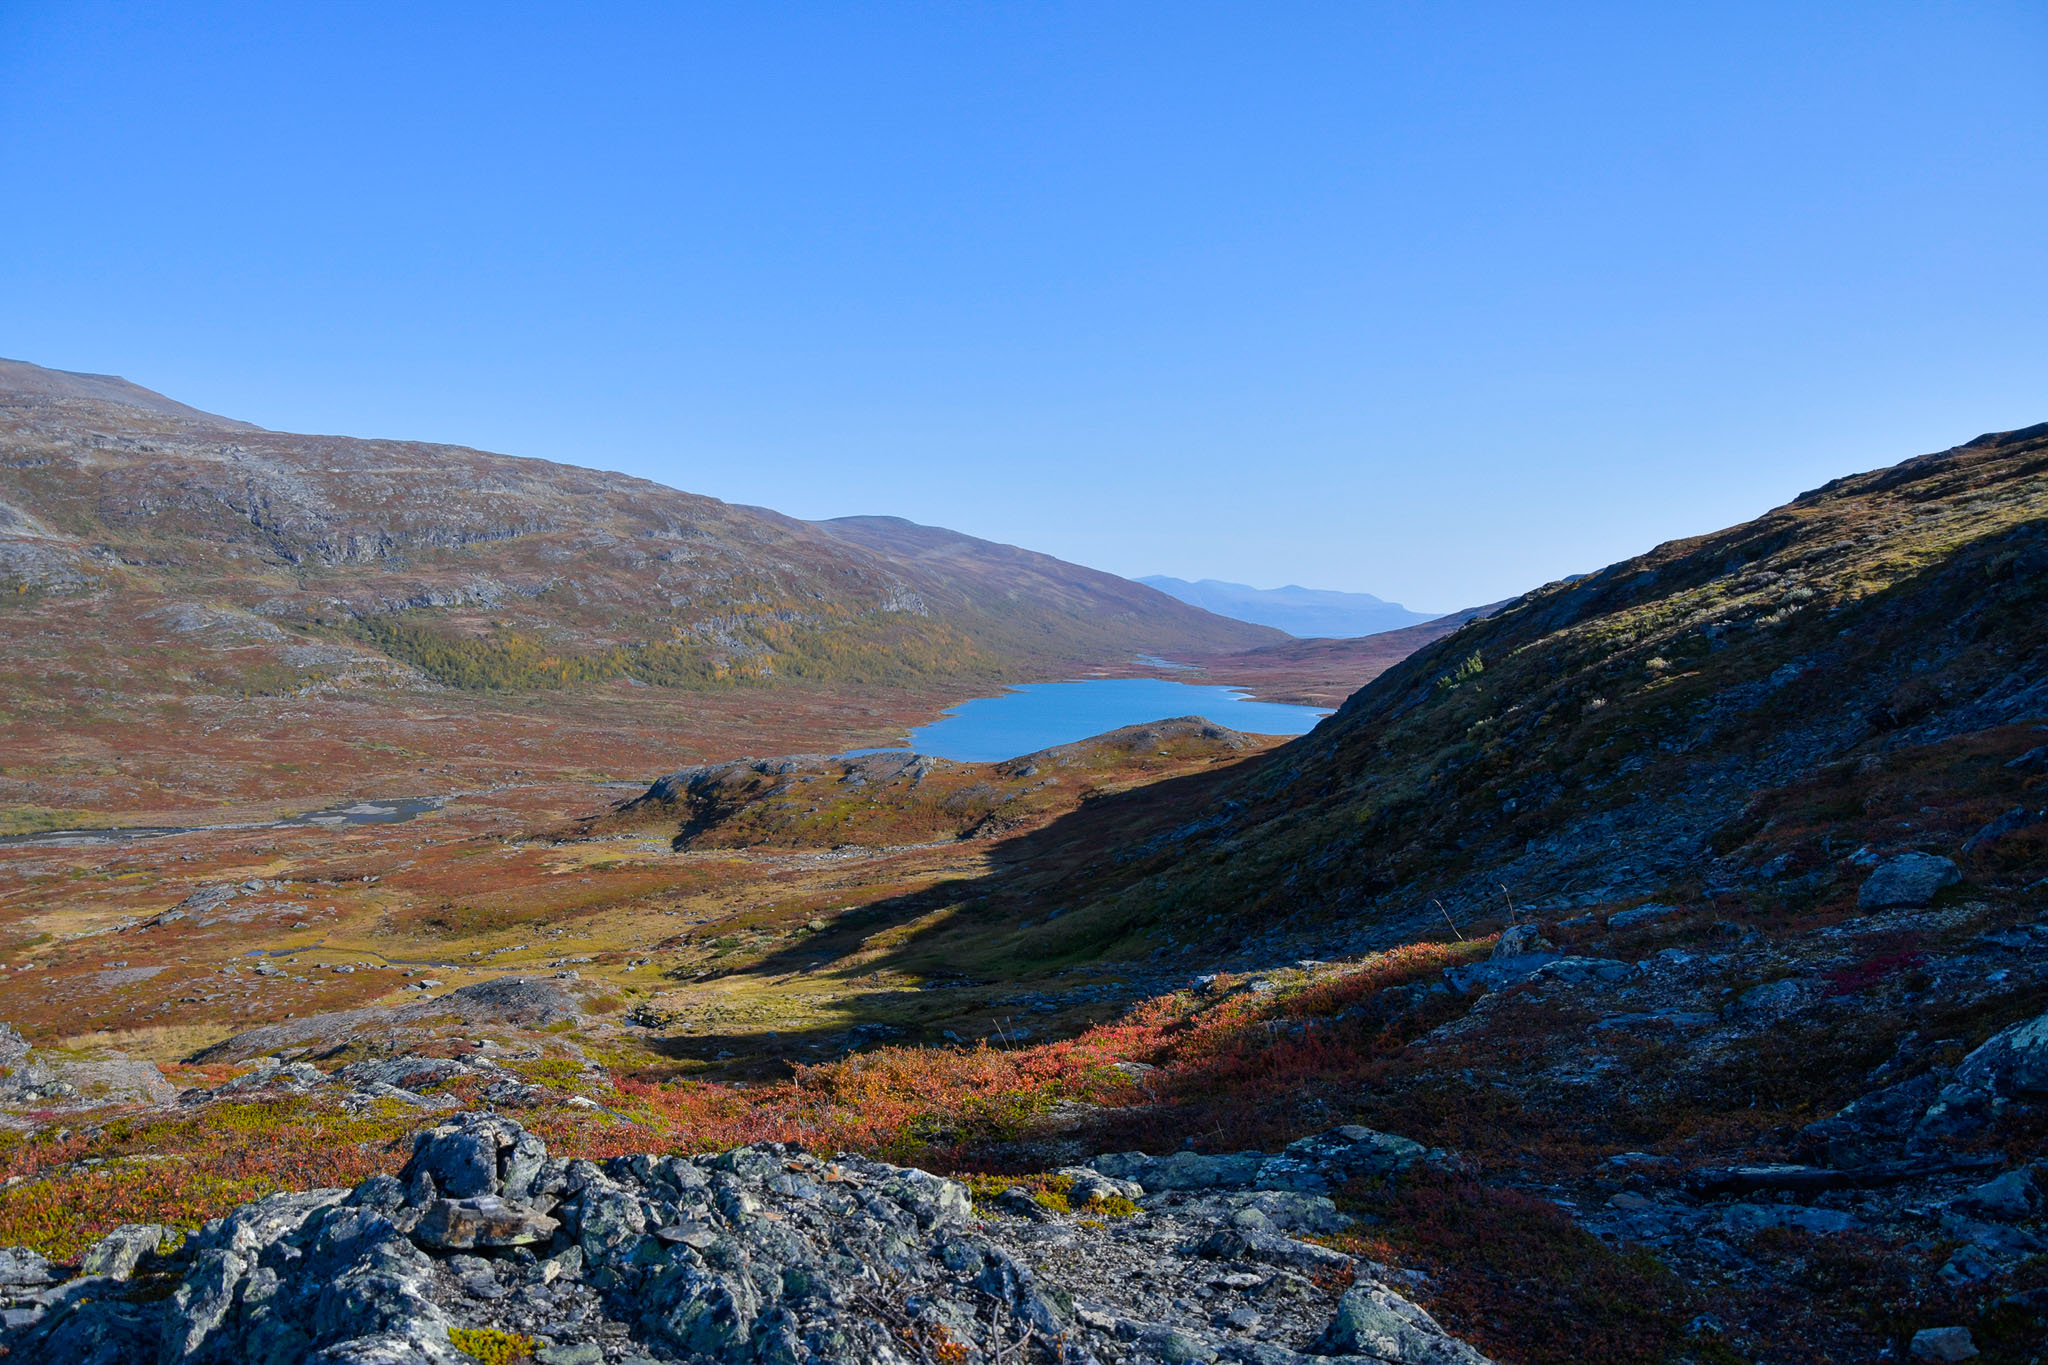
<point x="1432" y="301"/>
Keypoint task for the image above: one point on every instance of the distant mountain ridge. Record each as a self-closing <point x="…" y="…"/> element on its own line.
<point x="1306" y="613"/>
<point x="20" y="381"/>
<point x="492" y="572"/>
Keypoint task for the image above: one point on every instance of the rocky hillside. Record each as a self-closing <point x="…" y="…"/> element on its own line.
<point x="319" y="555"/>
<point x="1036" y="604"/>
<point x="1734" y="714"/>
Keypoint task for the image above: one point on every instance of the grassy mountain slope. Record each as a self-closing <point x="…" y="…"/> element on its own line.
<point x="174" y="585"/>
<point x="22" y="382"/>
<point x="1035" y="604"/>
<point x="490" y="571"/>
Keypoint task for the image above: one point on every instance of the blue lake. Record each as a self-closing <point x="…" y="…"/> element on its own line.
<point x="1037" y="716"/>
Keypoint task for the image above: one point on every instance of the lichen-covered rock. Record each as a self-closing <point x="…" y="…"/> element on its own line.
<point x="1521" y="939"/>
<point x="756" y="1255"/>
<point x="1642" y="914"/>
<point x="20" y="1266"/>
<point x="481" y="1221"/>
<point x="477" y="1154"/>
<point x="1496" y="973"/>
<point x="2017" y="1194"/>
<point x="118" y="1253"/>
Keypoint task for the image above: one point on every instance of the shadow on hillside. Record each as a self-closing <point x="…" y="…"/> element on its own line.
<point x="1817" y="689"/>
<point x="1037" y="877"/>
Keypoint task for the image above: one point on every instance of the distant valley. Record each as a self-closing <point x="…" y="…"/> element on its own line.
<point x="199" y="612"/>
<point x="1307" y="613"/>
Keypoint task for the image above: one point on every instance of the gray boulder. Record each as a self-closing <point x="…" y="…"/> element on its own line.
<point x="1092" y="1187"/>
<point x="119" y="1080"/>
<point x="1584" y="971"/>
<point x="2015" y="1195"/>
<point x="1496" y="973"/>
<point x="24" y="1078"/>
<point x="1908" y="881"/>
<point x="1943" y="1343"/>
<point x="476" y="1154"/>
<point x="2010" y="823"/>
<point x="1311" y="1164"/>
<point x="1374" y="1322"/>
<point x="404" y="1073"/>
<point x="1521" y="939"/>
<point x="1748" y="1219"/>
<point x="20" y="1267"/>
<point x="1770" y="1001"/>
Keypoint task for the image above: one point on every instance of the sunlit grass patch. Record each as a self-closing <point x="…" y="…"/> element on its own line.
<point x="492" y="1346"/>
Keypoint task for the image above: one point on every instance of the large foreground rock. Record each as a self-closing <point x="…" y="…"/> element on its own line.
<point x="757" y="1255"/>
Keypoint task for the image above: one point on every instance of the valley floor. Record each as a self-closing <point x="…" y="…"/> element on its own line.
<point x="1635" y="1101"/>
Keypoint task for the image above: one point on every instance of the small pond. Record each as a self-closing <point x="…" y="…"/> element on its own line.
<point x="1037" y="716"/>
<point x="380" y="812"/>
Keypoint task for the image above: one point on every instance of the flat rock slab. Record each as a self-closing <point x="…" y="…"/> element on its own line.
<point x="482" y="1221"/>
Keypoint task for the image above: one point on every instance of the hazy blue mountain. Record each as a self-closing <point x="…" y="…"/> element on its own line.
<point x="1306" y="612"/>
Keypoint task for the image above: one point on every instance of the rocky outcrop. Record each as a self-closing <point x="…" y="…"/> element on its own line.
<point x="1313" y="1164"/>
<point x="407" y="1078"/>
<point x="29" y="1078"/>
<point x="517" y="1001"/>
<point x="759" y="1254"/>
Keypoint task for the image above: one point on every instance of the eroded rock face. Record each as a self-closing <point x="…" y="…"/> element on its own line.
<point x="760" y="1254"/>
<point x="2012" y="1062"/>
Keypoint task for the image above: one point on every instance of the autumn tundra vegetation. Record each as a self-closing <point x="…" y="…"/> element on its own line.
<point x="1649" y="968"/>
